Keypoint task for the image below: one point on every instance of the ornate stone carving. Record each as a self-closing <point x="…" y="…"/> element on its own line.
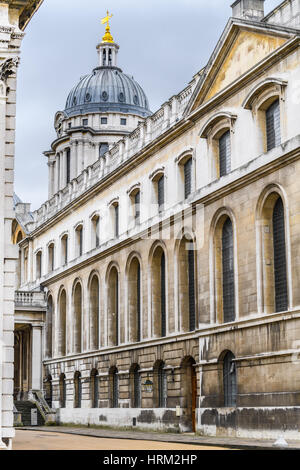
<point x="8" y="68"/>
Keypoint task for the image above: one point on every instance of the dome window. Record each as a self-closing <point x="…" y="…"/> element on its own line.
<point x="85" y="122"/>
<point x="88" y="97"/>
<point x="121" y="97"/>
<point x="104" y="120"/>
<point x="74" y="100"/>
<point x="123" y="122"/>
<point x="136" y="99"/>
<point x="104" y="96"/>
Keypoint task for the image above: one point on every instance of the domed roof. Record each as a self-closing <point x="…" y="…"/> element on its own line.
<point x="107" y="89"/>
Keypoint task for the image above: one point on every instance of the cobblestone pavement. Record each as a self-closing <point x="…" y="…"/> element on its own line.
<point x="190" y="439"/>
<point x="44" y="440"/>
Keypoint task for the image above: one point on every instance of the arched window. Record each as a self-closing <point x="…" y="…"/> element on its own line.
<point x="280" y="272"/>
<point x="187" y="169"/>
<point x="62" y="324"/>
<point x="62" y="391"/>
<point x="64" y="250"/>
<point x="229" y="380"/>
<point x="95" y="223"/>
<point x="49" y="319"/>
<point x="161" y="193"/>
<point x="38" y="264"/>
<point x="162" y="385"/>
<point x="134" y="300"/>
<point x="224" y="154"/>
<point x="113" y="307"/>
<point x="77" y="318"/>
<point x="273" y="125"/>
<point x="228" y="272"/>
<point x="186" y="288"/>
<point x="94" y="313"/>
<point x="95" y="388"/>
<point x="116" y="211"/>
<point x="51" y="257"/>
<point x="79" y="240"/>
<point x="77" y="390"/>
<point x="114" y="381"/>
<point x="135" y="379"/>
<point x="273" y="254"/>
<point x="159" y="296"/>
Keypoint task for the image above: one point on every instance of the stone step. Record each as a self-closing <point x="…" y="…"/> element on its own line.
<point x="25" y="407"/>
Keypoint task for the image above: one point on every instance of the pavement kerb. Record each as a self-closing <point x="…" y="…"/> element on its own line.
<point x="154" y="438"/>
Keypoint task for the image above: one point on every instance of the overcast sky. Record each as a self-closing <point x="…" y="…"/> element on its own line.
<point x="163" y="43"/>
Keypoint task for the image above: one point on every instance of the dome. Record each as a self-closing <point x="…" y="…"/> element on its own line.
<point x="107" y="89"/>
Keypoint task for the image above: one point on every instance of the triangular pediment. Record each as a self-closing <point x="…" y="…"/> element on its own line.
<point x="238" y="52"/>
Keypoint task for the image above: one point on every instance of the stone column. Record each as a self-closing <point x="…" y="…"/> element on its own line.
<point x="36" y="358"/>
<point x="73" y="161"/>
<point x="80" y="157"/>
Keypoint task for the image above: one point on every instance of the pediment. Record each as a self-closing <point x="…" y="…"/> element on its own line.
<point x="236" y="54"/>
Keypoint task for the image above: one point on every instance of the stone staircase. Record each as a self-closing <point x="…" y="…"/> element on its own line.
<point x="25" y="407"/>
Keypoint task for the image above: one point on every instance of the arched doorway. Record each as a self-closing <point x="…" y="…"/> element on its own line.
<point x="189" y="394"/>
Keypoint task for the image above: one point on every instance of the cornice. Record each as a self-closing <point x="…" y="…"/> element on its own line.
<point x="200" y="197"/>
<point x="201" y="332"/>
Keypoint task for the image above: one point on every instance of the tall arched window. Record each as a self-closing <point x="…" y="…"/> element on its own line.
<point x="94" y="388"/>
<point x="38" y="264"/>
<point x="159" y="295"/>
<point x="134" y="300"/>
<point x="229" y="380"/>
<point x="273" y="254"/>
<point x="188" y="177"/>
<point x="94" y="313"/>
<point x="116" y="220"/>
<point x="77" y="390"/>
<point x="64" y="250"/>
<point x="95" y="232"/>
<point x="161" y="385"/>
<point x="228" y="272"/>
<point x="135" y="382"/>
<point x="79" y="240"/>
<point x="161" y="193"/>
<point x="224" y="154"/>
<point x="62" y="391"/>
<point x="77" y="318"/>
<point x="114" y="380"/>
<point x="62" y="324"/>
<point x="273" y="131"/>
<point x="49" y="319"/>
<point x="280" y="272"/>
<point x="186" y="279"/>
<point x="51" y="257"/>
<point x="113" y="307"/>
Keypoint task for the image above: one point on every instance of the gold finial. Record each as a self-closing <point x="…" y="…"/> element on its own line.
<point x="107" y="36"/>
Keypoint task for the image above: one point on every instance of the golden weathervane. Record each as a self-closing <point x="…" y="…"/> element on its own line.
<point x="107" y="36"/>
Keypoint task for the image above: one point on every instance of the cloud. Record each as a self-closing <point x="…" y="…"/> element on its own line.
<point x="162" y="44"/>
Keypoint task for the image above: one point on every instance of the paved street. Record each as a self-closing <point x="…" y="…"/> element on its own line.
<point x="43" y="440"/>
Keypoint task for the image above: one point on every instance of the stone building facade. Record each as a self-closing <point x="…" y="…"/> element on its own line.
<point x="170" y="262"/>
<point x="14" y="17"/>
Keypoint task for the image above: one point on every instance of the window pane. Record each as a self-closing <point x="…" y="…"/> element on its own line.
<point x="228" y="272"/>
<point x="273" y="125"/>
<point x="188" y="178"/>
<point x="281" y="296"/>
<point x="161" y="193"/>
<point x="225" y="154"/>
